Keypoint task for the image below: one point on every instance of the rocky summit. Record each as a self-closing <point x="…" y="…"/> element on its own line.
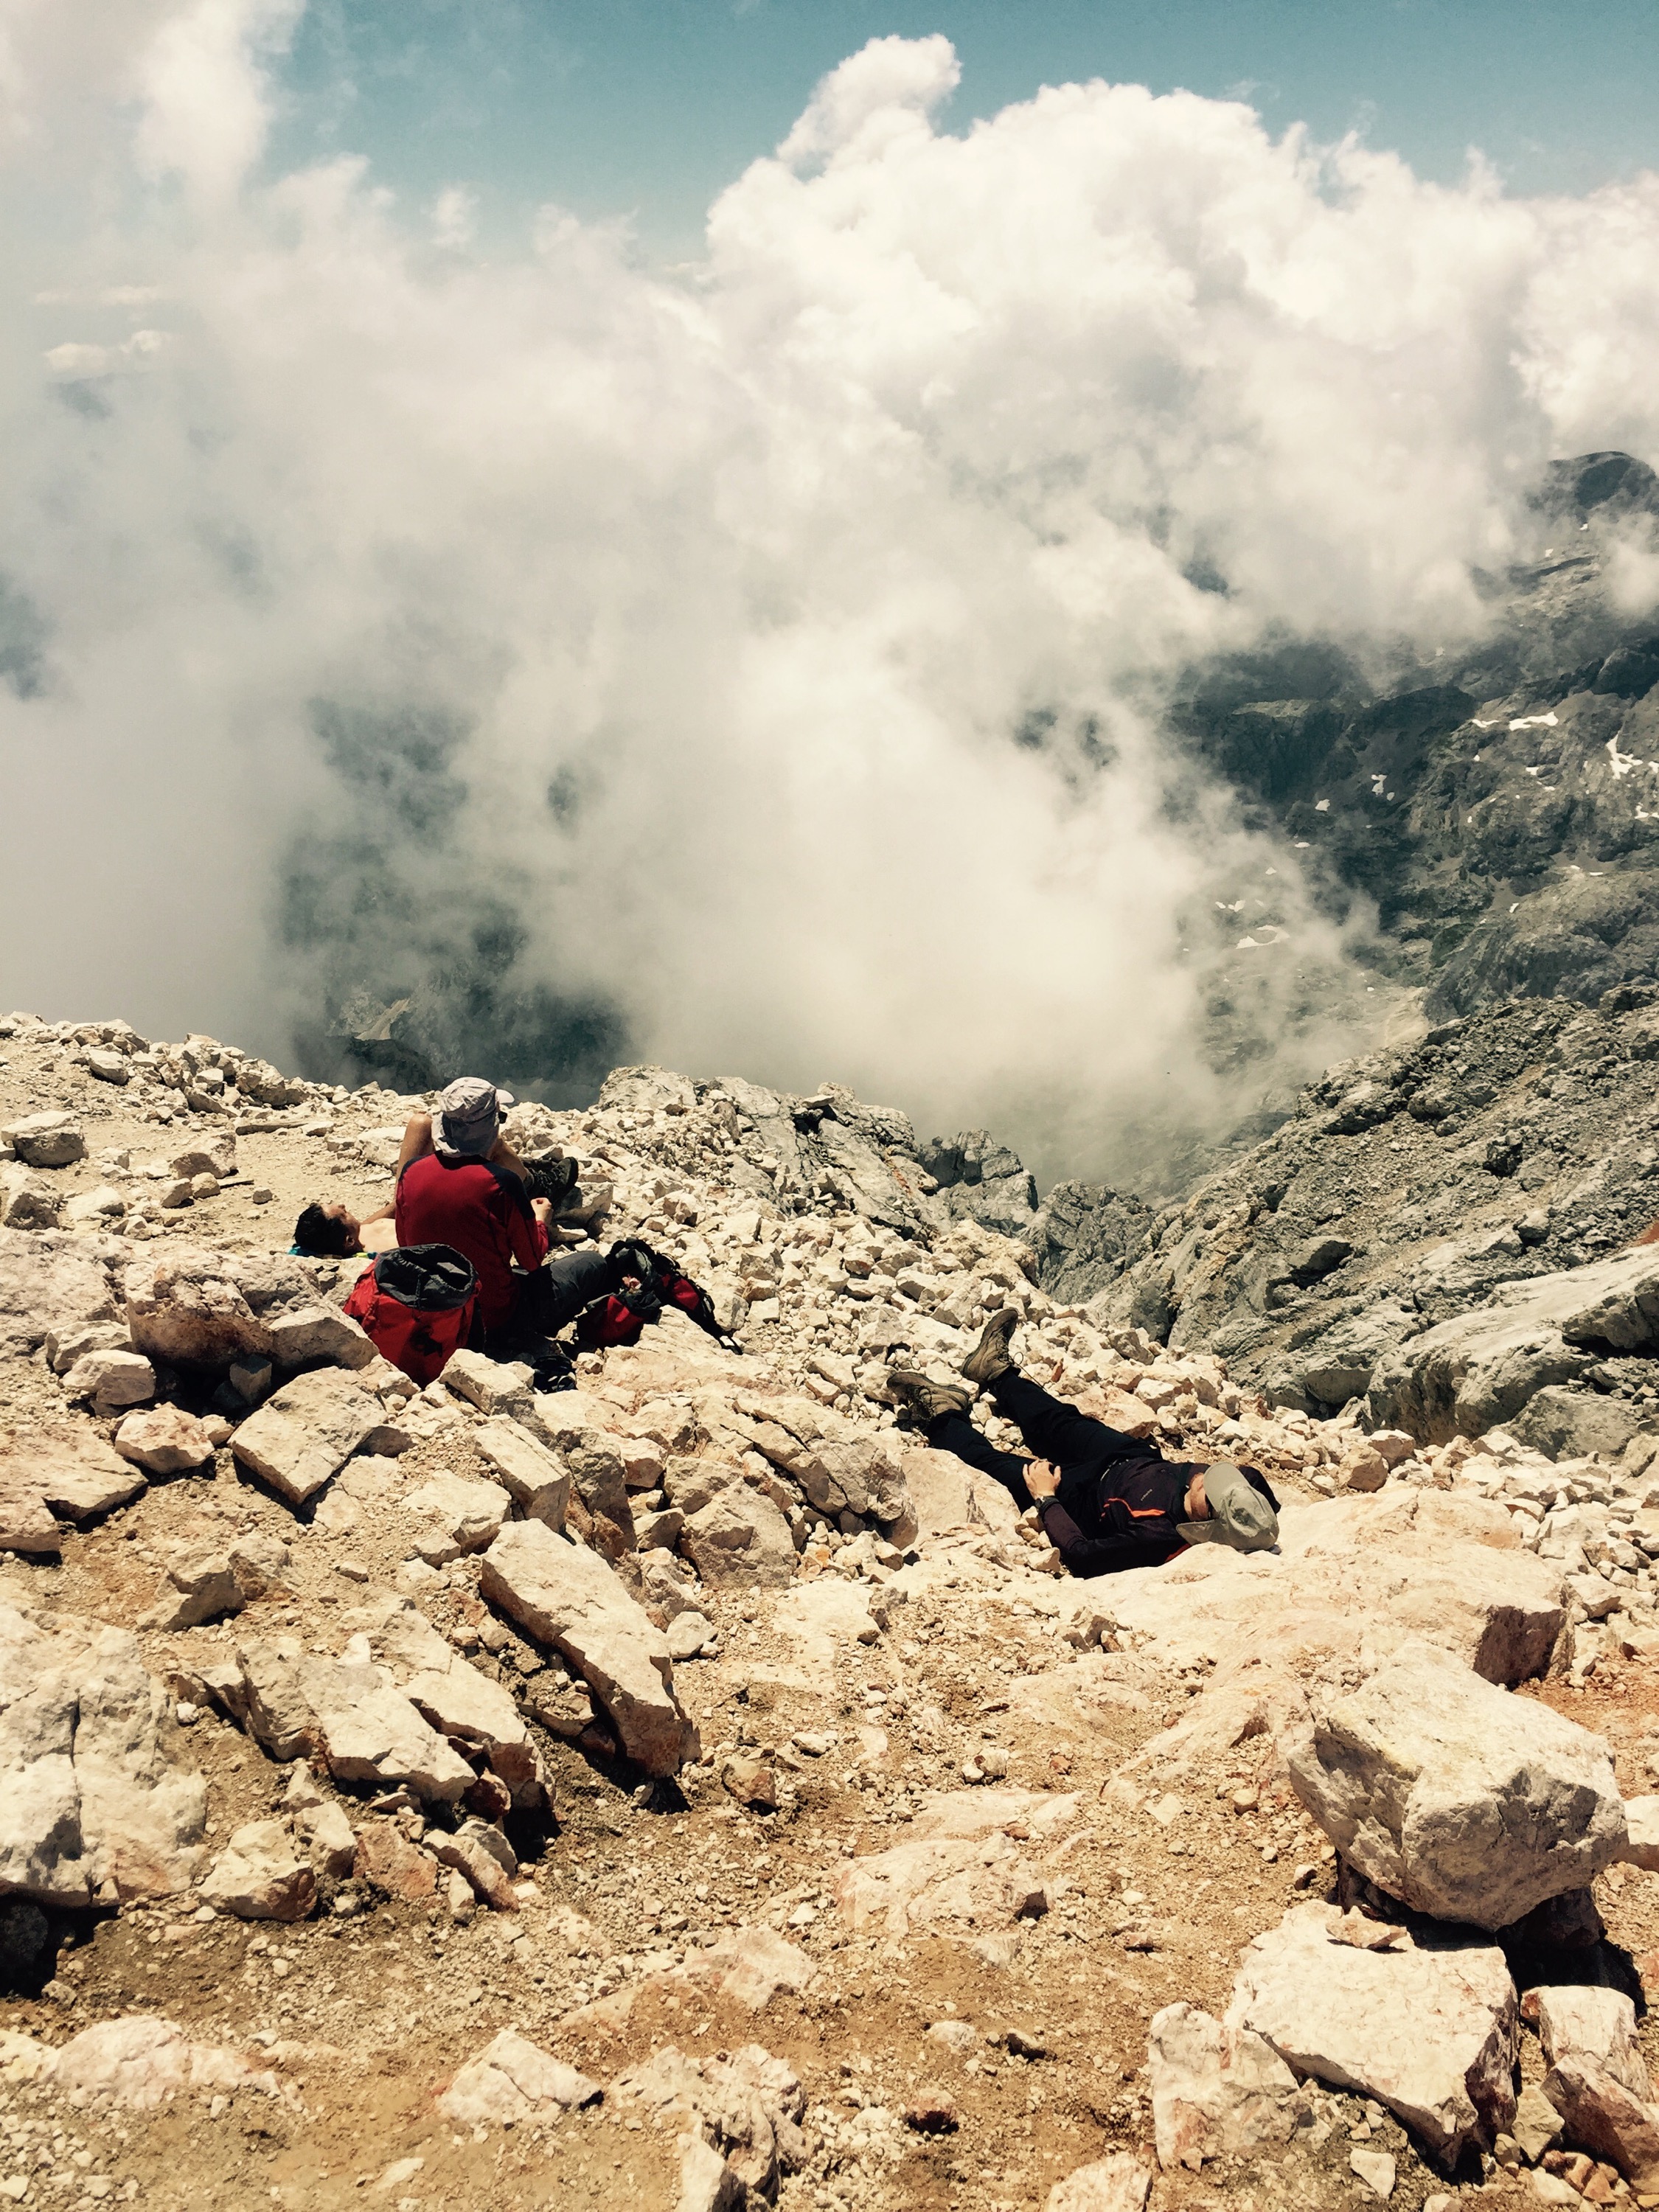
<point x="687" y="1790"/>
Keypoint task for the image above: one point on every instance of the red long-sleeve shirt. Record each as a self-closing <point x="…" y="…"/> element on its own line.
<point x="465" y="1207"/>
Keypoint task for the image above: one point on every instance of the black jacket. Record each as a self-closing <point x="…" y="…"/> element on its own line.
<point x="1121" y="1512"/>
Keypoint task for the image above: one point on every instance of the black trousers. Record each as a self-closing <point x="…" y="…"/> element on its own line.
<point x="1052" y="1429"/>
<point x="550" y="1299"/>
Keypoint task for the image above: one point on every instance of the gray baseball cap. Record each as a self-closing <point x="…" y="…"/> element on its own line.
<point x="470" y="1116"/>
<point x="1239" y="1515"/>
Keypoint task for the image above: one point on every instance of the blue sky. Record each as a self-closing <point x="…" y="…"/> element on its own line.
<point x="647" y="107"/>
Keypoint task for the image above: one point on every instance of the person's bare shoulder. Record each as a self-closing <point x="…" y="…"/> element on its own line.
<point x="379" y="1236"/>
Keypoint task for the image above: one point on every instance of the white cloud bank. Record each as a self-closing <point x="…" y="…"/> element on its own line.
<point x="758" y="571"/>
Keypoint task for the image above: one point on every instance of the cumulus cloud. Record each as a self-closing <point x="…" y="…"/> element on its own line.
<point x="760" y="668"/>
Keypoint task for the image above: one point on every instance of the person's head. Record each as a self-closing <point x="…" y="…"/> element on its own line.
<point x="326" y="1232"/>
<point x="469" y="1117"/>
<point x="1227" y="1508"/>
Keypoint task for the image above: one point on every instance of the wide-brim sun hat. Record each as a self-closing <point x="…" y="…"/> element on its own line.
<point x="469" y="1117"/>
<point x="1239" y="1515"/>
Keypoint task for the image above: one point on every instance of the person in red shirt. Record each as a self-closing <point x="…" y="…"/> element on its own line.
<point x="461" y="1184"/>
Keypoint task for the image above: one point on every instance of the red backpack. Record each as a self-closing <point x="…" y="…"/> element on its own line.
<point x="415" y="1302"/>
<point x="620" y="1317"/>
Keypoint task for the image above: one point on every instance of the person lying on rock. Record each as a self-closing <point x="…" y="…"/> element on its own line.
<point x="459" y="1183"/>
<point x="332" y="1232"/>
<point x="1106" y="1501"/>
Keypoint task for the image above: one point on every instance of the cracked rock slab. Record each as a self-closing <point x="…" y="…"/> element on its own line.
<point x="513" y="2080"/>
<point x="1428" y="2031"/>
<point x="1463" y="1802"/>
<point x="96" y="1802"/>
<point x="300" y="1438"/>
<point x="567" y="1596"/>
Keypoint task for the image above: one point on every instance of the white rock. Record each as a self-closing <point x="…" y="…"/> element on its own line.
<point x="1216" y="2091"/>
<point x="260" y="1876"/>
<point x="1118" y="2184"/>
<point x="215" y="1157"/>
<point x="465" y="1517"/>
<point x="1461" y="1800"/>
<point x="513" y="2080"/>
<point x="142" y="2062"/>
<point x="112" y="1378"/>
<point x="165" y="1440"/>
<point x="306" y="1432"/>
<point x="707" y="2184"/>
<point x="740" y="1541"/>
<point x="25" y="1202"/>
<point x="1583" y="2020"/>
<point x="1430" y="2032"/>
<point x="96" y="1802"/>
<point x="44" y="1141"/>
<point x="321" y="1824"/>
<point x="201" y="1585"/>
<point x="196" y="1307"/>
<point x="538" y="1484"/>
<point x="495" y="1387"/>
<point x="567" y="1596"/>
<point x="1375" y="2169"/>
<point x="49" y="1284"/>
<point x="1641" y="1845"/>
<point x="579" y="1427"/>
<point x="307" y="1332"/>
<point x="71" y="1468"/>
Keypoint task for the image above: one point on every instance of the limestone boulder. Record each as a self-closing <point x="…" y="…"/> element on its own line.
<point x="1428" y="2030"/>
<point x="960" y="1871"/>
<point x="580" y="1429"/>
<point x="206" y="1308"/>
<point x="455" y="1515"/>
<point x="112" y="1379"/>
<point x="538" y="1483"/>
<point x="320" y="1823"/>
<point x="1588" y="2020"/>
<point x="740" y="1541"/>
<point x="1463" y="1801"/>
<point x="1641" y="1846"/>
<point x="1216" y="2091"/>
<point x="26" y="1523"/>
<point x="498" y="1388"/>
<point x="1118" y="2184"/>
<point x="142" y="2062"/>
<point x="50" y="1283"/>
<point x="451" y="1694"/>
<point x="1482" y="1368"/>
<point x="748" y="2108"/>
<point x="260" y="1875"/>
<point x="52" y="1139"/>
<point x="304" y="1333"/>
<point x="305" y="1433"/>
<point x="1600" y="2115"/>
<point x="69" y="1465"/>
<point x="513" y="2080"/>
<point x="567" y="1596"/>
<point x="164" y="1440"/>
<point x="27" y="1201"/>
<point x="98" y="1802"/>
<point x="204" y="1582"/>
<point x="346" y="1712"/>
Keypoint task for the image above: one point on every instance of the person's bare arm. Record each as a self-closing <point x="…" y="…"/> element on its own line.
<point x="503" y="1155"/>
<point x="416" y="1144"/>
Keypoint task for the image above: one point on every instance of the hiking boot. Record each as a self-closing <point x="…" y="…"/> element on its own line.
<point x="925" y="1400"/>
<point x="549" y="1179"/>
<point x="989" y="1357"/>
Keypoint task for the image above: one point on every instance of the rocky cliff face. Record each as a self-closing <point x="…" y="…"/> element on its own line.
<point x="1499" y="805"/>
